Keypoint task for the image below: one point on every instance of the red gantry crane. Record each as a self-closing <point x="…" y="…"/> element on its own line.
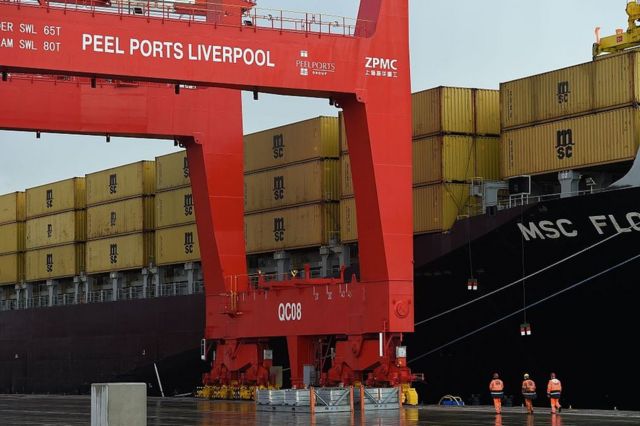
<point x="190" y="55"/>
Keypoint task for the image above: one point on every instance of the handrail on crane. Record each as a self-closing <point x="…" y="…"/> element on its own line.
<point x="196" y="12"/>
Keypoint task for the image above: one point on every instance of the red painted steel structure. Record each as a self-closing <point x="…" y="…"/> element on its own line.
<point x="366" y="73"/>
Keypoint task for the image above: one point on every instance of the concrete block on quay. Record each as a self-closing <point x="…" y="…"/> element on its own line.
<point x="118" y="404"/>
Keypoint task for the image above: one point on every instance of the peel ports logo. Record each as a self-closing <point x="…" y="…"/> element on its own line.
<point x="113" y="184"/>
<point x="49" y="198"/>
<point x="309" y="67"/>
<point x="564" y="144"/>
<point x="113" y="254"/>
<point x="49" y="262"/>
<point x="188" y="243"/>
<point x="188" y="204"/>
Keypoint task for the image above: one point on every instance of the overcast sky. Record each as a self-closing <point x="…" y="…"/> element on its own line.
<point x="467" y="43"/>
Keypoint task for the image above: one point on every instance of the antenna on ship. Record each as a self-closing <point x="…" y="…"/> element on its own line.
<point x="525" y="327"/>
<point x="472" y="282"/>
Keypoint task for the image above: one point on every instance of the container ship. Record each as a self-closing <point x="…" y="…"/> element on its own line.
<point x="525" y="222"/>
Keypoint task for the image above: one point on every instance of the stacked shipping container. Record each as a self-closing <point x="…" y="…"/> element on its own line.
<point x="55" y="230"/>
<point x="176" y="234"/>
<point x="12" y="238"/>
<point x="292" y="186"/>
<point x="121" y="218"/>
<point x="455" y="139"/>
<point x="572" y="118"/>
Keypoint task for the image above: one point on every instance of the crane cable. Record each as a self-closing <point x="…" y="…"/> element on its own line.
<point x="498" y="290"/>
<point x="491" y="324"/>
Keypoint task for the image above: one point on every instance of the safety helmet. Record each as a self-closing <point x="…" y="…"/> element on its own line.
<point x="495" y="376"/>
<point x="526" y="376"/>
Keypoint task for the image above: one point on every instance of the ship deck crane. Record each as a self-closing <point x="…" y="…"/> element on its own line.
<point x="622" y="40"/>
<point x="363" y="67"/>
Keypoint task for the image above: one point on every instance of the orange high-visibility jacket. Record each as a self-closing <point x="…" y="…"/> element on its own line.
<point x="528" y="386"/>
<point x="496" y="385"/>
<point x="554" y="388"/>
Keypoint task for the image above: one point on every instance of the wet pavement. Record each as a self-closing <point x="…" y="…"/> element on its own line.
<point x="75" y="410"/>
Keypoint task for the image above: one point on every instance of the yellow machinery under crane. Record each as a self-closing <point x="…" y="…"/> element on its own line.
<point x="621" y="40"/>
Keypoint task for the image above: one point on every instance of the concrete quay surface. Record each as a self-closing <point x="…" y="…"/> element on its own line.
<point x="53" y="410"/>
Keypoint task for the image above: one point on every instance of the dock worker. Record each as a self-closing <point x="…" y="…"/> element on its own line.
<point x="528" y="392"/>
<point x="554" y="390"/>
<point x="496" y="387"/>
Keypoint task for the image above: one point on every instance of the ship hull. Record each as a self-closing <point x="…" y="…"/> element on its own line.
<point x="582" y="315"/>
<point x="581" y="312"/>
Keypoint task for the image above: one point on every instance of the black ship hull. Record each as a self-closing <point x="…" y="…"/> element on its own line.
<point x="581" y="312"/>
<point x="65" y="349"/>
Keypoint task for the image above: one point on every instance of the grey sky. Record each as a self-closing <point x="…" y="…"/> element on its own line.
<point x="468" y="43"/>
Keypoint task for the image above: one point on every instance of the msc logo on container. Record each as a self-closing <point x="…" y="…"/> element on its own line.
<point x="563" y="92"/>
<point x="278" y="146"/>
<point x="113" y="184"/>
<point x="188" y="204"/>
<point x="188" y="243"/>
<point x="113" y="219"/>
<point x="278" y="188"/>
<point x="49" y="230"/>
<point x="290" y="311"/>
<point x="49" y="262"/>
<point x="113" y="253"/>
<point x="564" y="144"/>
<point x="185" y="168"/>
<point x="49" y="198"/>
<point x="278" y="229"/>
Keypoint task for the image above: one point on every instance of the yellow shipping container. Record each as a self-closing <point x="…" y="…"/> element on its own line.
<point x="11" y="268"/>
<point x="608" y="82"/>
<point x="487" y="152"/>
<point x="344" y="147"/>
<point x="12" y="207"/>
<point x="348" y="220"/>
<point x="175" y="208"/>
<point x="122" y="217"/>
<point x="573" y="143"/>
<point x="293" y="143"/>
<point x="292" y="228"/>
<point x="346" y="178"/>
<point x="129" y="181"/>
<point x="177" y="245"/>
<point x="172" y="171"/>
<point x="487" y="111"/>
<point x="450" y="158"/>
<point x="56" y="197"/>
<point x="302" y="183"/>
<point x="435" y="209"/>
<point x="456" y="110"/>
<point x="12" y="237"/>
<point x="57" y="229"/>
<point x="54" y="262"/>
<point x="133" y="251"/>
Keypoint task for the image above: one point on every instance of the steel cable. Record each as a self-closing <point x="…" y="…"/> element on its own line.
<point x="491" y="324"/>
